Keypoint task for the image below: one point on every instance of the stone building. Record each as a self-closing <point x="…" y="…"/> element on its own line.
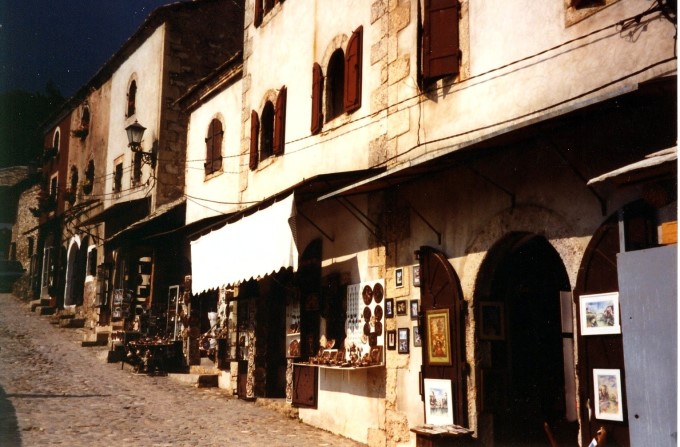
<point x="483" y="168"/>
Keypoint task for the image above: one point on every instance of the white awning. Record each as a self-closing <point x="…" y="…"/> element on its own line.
<point x="252" y="247"/>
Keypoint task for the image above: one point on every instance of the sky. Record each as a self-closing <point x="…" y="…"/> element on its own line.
<point x="65" y="41"/>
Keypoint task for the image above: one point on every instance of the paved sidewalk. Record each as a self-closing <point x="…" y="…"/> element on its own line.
<point x="55" y="392"/>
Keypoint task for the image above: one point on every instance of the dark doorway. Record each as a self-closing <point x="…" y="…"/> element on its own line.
<point x="527" y="361"/>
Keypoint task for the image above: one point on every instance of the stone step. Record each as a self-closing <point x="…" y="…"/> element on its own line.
<point x="72" y="322"/>
<point x="44" y="310"/>
<point x="197" y="380"/>
<point x="95" y="339"/>
<point x="33" y="304"/>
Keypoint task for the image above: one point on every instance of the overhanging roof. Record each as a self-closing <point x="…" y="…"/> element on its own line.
<point x="154" y="218"/>
<point x="653" y="165"/>
<point x="116" y="209"/>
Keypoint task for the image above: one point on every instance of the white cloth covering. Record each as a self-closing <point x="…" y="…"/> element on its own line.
<point x="252" y="247"/>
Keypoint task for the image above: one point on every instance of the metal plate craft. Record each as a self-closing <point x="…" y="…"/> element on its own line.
<point x="367" y="295"/>
<point x="378" y="292"/>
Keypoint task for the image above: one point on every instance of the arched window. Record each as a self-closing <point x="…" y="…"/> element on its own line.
<point x="335" y="85"/>
<point x="85" y="118"/>
<point x="213" y="147"/>
<point x="132" y="98"/>
<point x="89" y="178"/>
<point x="267" y="131"/>
<point x="56" y="140"/>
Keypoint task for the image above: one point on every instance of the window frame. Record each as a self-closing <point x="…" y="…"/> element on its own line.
<point x="213" y="151"/>
<point x="131" y="108"/>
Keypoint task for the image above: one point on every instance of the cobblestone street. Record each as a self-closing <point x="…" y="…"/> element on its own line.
<point x="55" y="392"/>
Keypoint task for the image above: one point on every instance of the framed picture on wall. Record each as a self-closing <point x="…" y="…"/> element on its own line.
<point x="416" y="276"/>
<point x="403" y="342"/>
<point x="607" y="392"/>
<point x="389" y="308"/>
<point x="402" y="307"/>
<point x="599" y="314"/>
<point x="399" y="277"/>
<point x="414" y="309"/>
<point x="417" y="340"/>
<point x="438" y="402"/>
<point x="491" y="321"/>
<point x="438" y="337"/>
<point x="392" y="340"/>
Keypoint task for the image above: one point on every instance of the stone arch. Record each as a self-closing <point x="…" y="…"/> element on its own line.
<point x="529" y="219"/>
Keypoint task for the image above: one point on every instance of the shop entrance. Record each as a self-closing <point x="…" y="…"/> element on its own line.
<point x="523" y="386"/>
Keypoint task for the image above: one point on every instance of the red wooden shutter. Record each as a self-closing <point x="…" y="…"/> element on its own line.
<point x="254" y="139"/>
<point x="440" y="39"/>
<point x="258" y="13"/>
<point x="353" y="71"/>
<point x="280" y="123"/>
<point x="317" y="98"/>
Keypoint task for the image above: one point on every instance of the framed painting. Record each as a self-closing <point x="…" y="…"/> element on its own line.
<point x="392" y="340"/>
<point x="417" y="340"/>
<point x="438" y="337"/>
<point x="491" y="321"/>
<point x="399" y="278"/>
<point x="403" y="341"/>
<point x="600" y="314"/>
<point x="389" y="308"/>
<point x="416" y="276"/>
<point x="402" y="307"/>
<point x="414" y="309"/>
<point x="438" y="402"/>
<point x="607" y="391"/>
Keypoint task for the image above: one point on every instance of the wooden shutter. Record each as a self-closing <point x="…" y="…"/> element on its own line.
<point x="213" y="152"/>
<point x="353" y="71"/>
<point x="280" y="123"/>
<point x="217" y="145"/>
<point x="259" y="12"/>
<point x="440" y="39"/>
<point x="254" y="139"/>
<point x="317" y="98"/>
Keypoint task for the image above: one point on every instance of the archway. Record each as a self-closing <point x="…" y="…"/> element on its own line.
<point x="523" y="380"/>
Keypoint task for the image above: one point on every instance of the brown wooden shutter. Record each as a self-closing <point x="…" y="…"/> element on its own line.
<point x="317" y="99"/>
<point x="254" y="139"/>
<point x="440" y="39"/>
<point x="217" y="145"/>
<point x="259" y="12"/>
<point x="280" y="123"/>
<point x="353" y="71"/>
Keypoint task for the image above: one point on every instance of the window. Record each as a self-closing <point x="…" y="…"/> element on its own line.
<point x="56" y="140"/>
<point x="280" y="122"/>
<point x="92" y="260"/>
<point x="353" y="58"/>
<point x="73" y="184"/>
<point x="118" y="175"/>
<point x="262" y="8"/>
<point x="267" y="131"/>
<point x="268" y="135"/>
<point x="89" y="178"/>
<point x="54" y="184"/>
<point x="136" y="168"/>
<point x="335" y="85"/>
<point x="342" y="84"/>
<point x="85" y="118"/>
<point x="317" y="99"/>
<point x="254" y="140"/>
<point x="440" y="41"/>
<point x="132" y="99"/>
<point x="213" y="147"/>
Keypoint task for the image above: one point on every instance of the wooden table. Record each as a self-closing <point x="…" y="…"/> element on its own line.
<point x="442" y="435"/>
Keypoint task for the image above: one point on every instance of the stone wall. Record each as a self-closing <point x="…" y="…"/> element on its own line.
<point x="26" y="228"/>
